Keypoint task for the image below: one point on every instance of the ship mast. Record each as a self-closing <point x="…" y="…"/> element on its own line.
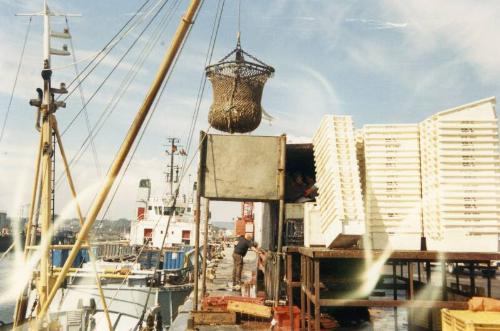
<point x="125" y="148"/>
<point x="44" y="166"/>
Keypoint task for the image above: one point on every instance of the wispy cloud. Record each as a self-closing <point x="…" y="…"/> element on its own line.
<point x="377" y="24"/>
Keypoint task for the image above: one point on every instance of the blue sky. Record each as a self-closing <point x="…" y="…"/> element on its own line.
<point x="382" y="61"/>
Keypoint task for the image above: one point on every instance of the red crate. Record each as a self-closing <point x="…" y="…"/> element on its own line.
<point x="282" y="317"/>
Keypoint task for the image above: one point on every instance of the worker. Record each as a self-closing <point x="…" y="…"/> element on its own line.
<point x="295" y="187"/>
<point x="242" y="245"/>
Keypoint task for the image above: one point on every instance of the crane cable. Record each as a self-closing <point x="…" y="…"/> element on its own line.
<point x="129" y="161"/>
<point x="2" y="131"/>
<point x="203" y="80"/>
<point x="215" y="30"/>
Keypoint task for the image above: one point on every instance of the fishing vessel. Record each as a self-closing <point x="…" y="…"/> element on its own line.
<point x="74" y="285"/>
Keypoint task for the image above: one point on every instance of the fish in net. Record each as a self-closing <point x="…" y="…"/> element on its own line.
<point x="237" y="86"/>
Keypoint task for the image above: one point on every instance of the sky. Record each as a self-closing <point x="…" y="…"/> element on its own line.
<point x="380" y="61"/>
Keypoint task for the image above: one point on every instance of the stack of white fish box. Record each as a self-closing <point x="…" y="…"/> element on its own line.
<point x="393" y="185"/>
<point x="337" y="176"/>
<point x="461" y="178"/>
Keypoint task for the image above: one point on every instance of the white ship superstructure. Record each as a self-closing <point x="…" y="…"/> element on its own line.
<point x="153" y="215"/>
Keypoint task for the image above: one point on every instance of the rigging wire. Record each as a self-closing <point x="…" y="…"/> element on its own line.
<point x="15" y="80"/>
<point x="140" y="138"/>
<point x="114" y="67"/>
<point x="111" y="42"/>
<point x="82" y="98"/>
<point x="128" y="79"/>
<point x="132" y="155"/>
<point x="203" y="80"/>
<point x="215" y="30"/>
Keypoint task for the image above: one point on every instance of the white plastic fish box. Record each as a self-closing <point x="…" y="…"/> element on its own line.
<point x="394" y="190"/>
<point x="403" y="211"/>
<point x="397" y="153"/>
<point x="483" y="145"/>
<point x="459" y="241"/>
<point x="395" y="241"/>
<point x="388" y="158"/>
<point x="294" y="210"/>
<point x="388" y="227"/>
<point x="396" y="172"/>
<point x="473" y="215"/>
<point x="312" y="225"/>
<point x="406" y="204"/>
<point x="469" y="172"/>
<point x="388" y="136"/>
<point x="412" y="144"/>
<point x="490" y="200"/>
<point x="394" y="184"/>
<point x="466" y="157"/>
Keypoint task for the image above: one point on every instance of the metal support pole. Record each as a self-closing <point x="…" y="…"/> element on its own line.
<point x="410" y="281"/>
<point x="205" y="250"/>
<point x="181" y="32"/>
<point x="281" y="216"/>
<point x="308" y="288"/>
<point x="472" y="279"/>
<point x="199" y="188"/>
<point x="488" y="280"/>
<point x="317" y="315"/>
<point x="302" y="293"/>
<point x="443" y="281"/>
<point x="395" y="292"/>
<point x="289" y="288"/>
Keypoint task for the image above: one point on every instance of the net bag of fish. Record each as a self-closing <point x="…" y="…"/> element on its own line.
<point x="237" y="86"/>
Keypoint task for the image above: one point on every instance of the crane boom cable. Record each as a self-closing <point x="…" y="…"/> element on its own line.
<point x="2" y="131"/>
<point x="210" y="49"/>
<point x="201" y="88"/>
<point x="128" y="164"/>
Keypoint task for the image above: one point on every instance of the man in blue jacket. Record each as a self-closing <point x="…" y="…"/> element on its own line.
<point x="242" y="245"/>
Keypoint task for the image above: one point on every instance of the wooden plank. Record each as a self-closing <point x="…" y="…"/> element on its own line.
<point x="214" y="317"/>
<point x="393" y="303"/>
<point x="249" y="308"/>
<point x="400" y="255"/>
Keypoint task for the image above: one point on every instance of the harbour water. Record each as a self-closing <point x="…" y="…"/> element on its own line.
<point x="6" y="308"/>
